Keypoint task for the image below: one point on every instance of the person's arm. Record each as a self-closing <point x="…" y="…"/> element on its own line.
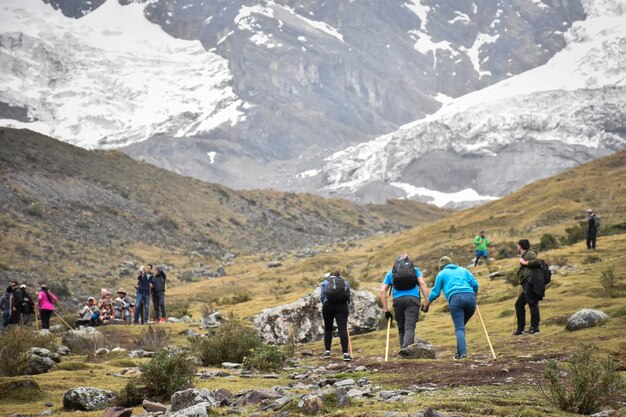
<point x="436" y="291"/>
<point x="348" y="290"/>
<point x="422" y="284"/>
<point x="477" y="240"/>
<point x="383" y="300"/>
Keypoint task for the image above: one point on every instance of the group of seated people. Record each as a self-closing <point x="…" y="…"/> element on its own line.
<point x="106" y="311"/>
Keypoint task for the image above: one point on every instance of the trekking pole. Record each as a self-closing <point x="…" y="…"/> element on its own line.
<point x="37" y="316"/>
<point x="61" y="318"/>
<point x="486" y="334"/>
<point x="387" y="344"/>
<point x="349" y="341"/>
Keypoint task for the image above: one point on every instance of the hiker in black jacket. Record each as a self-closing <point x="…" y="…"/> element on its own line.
<point x="335" y="297"/>
<point x="528" y="261"/>
<point x="592" y="228"/>
<point x="158" y="295"/>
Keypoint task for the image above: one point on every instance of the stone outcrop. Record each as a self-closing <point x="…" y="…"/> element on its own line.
<point x="83" y="340"/>
<point x="421" y="349"/>
<point x="87" y="399"/>
<point x="302" y="319"/>
<point x="585" y="318"/>
<point x="40" y="361"/>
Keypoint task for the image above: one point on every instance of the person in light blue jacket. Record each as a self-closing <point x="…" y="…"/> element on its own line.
<point x="460" y="288"/>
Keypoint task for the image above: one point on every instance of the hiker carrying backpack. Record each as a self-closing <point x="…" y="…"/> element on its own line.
<point x="540" y="278"/>
<point x="404" y="276"/>
<point x="335" y="296"/>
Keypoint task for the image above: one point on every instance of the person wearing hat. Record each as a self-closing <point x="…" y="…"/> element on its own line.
<point x="528" y="261"/>
<point x="89" y="315"/>
<point x="482" y="244"/>
<point x="593" y="223"/>
<point x="46" y="301"/>
<point x="27" y="306"/>
<point x="6" y="304"/>
<point x="122" y="306"/>
<point x="405" y="281"/>
<point x="460" y="288"/>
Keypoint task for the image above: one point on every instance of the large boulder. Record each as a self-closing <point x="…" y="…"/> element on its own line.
<point x="303" y="321"/>
<point x="190" y="397"/>
<point x="421" y="349"/>
<point x="585" y="318"/>
<point x="40" y="361"/>
<point x="87" y="399"/>
<point x="83" y="340"/>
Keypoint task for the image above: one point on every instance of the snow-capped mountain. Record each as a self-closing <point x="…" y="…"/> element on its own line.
<point x="250" y="93"/>
<point x="493" y="141"/>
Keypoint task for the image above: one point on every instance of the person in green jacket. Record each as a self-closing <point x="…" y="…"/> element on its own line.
<point x="528" y="261"/>
<point x="482" y="243"/>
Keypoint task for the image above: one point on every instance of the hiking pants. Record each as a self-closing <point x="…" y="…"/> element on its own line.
<point x="142" y="299"/>
<point x="335" y="312"/>
<point x="462" y="308"/>
<point x="591" y="238"/>
<point x="45" y="318"/>
<point x="527" y="297"/>
<point x="481" y="254"/>
<point x="407" y="309"/>
<point x="158" y="299"/>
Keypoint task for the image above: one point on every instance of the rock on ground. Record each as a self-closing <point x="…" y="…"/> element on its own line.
<point x="84" y="340"/>
<point x="421" y="349"/>
<point x="118" y="412"/>
<point x="87" y="398"/>
<point x="585" y="318"/>
<point x="40" y="361"/>
<point x="189" y="397"/>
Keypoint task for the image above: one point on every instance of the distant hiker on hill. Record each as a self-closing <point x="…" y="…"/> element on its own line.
<point x="158" y="295"/>
<point x="482" y="244"/>
<point x="460" y="288"/>
<point x="122" y="306"/>
<point x="335" y="296"/>
<point x="6" y="303"/>
<point x="593" y="224"/>
<point x="142" y="301"/>
<point x="528" y="261"/>
<point x="404" y="279"/>
<point x="46" y="301"/>
<point x="89" y="315"/>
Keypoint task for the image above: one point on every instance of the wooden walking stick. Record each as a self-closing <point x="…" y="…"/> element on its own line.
<point x="349" y="341"/>
<point x="486" y="334"/>
<point x="37" y="316"/>
<point x="387" y="344"/>
<point x="61" y="318"/>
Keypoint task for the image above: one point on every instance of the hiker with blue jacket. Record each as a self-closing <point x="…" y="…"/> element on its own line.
<point x="335" y="296"/>
<point x="460" y="288"/>
<point x="144" y="285"/>
<point x="405" y="281"/>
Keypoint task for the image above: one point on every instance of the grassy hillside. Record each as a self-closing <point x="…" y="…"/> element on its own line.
<point x="74" y="215"/>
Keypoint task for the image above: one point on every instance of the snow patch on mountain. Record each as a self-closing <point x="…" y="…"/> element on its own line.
<point x="110" y="78"/>
<point x="439" y="198"/>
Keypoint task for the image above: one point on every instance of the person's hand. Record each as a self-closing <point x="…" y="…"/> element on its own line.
<point x="388" y="315"/>
<point x="523" y="261"/>
<point x="424" y="308"/>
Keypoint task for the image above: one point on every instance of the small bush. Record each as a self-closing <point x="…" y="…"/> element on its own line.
<point x="230" y="342"/>
<point x="594" y="382"/>
<point x="559" y="261"/>
<point x="160" y="378"/>
<point x="591" y="259"/>
<point x="237" y="298"/>
<point x="610" y="282"/>
<point x="14" y="342"/>
<point x="507" y="250"/>
<point x="575" y="233"/>
<point x="265" y="358"/>
<point x="547" y="242"/>
<point x="72" y="366"/>
<point x="153" y="338"/>
<point x="35" y="210"/>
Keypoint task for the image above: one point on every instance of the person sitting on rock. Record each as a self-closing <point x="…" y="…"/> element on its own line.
<point x="335" y="296"/>
<point x="89" y="315"/>
<point x="122" y="306"/>
<point x="105" y="298"/>
<point x="106" y="314"/>
<point x="460" y="288"/>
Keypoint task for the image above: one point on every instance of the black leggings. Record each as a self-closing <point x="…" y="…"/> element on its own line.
<point x="338" y="312"/>
<point x="45" y="318"/>
<point x="527" y="297"/>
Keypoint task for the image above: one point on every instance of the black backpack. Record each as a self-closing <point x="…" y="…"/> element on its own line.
<point x="403" y="275"/>
<point x="542" y="275"/>
<point x="336" y="290"/>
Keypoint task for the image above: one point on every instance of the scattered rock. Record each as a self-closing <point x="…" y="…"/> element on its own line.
<point x="87" y="398"/>
<point x="302" y="319"/>
<point x="231" y="365"/>
<point x="585" y="318"/>
<point x="222" y="396"/>
<point x="39" y="361"/>
<point x="197" y="410"/>
<point x="313" y="405"/>
<point x="118" y="412"/>
<point x="189" y="397"/>
<point x="213" y="319"/>
<point x="606" y="413"/>
<point x="102" y="352"/>
<point x="57" y="328"/>
<point x="421" y="349"/>
<point x="429" y="412"/>
<point x="153" y="407"/>
<point x="343" y="397"/>
<point x="360" y="369"/>
<point x="274" y="264"/>
<point x="496" y="274"/>
<point x="84" y="340"/>
<point x="63" y="351"/>
<point x="118" y="350"/>
<point x="254" y="397"/>
<point x="48" y="404"/>
<point x="349" y="382"/>
<point x="47" y="412"/>
<point x="137" y="354"/>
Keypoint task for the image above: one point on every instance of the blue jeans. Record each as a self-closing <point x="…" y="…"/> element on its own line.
<point x="462" y="307"/>
<point x="145" y="300"/>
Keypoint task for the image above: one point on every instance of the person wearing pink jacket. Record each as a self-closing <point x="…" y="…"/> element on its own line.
<point x="46" y="301"/>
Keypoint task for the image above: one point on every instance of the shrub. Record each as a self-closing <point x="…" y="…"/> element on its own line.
<point x="35" y="210"/>
<point x="14" y="343"/>
<point x="153" y="338"/>
<point x="265" y="358"/>
<point x="610" y="282"/>
<point x="237" y="298"/>
<point x="594" y="382"/>
<point x="160" y="378"/>
<point x="575" y="233"/>
<point x="559" y="261"/>
<point x="547" y="242"/>
<point x="230" y="342"/>
<point x="507" y="250"/>
<point x="591" y="259"/>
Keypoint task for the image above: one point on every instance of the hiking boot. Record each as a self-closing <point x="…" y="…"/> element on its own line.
<point x="347" y="357"/>
<point x="458" y="357"/>
<point x="326" y="355"/>
<point x="518" y="332"/>
<point x="163" y="320"/>
<point x="533" y="330"/>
